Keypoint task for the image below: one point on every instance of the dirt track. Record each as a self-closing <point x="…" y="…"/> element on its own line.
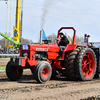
<point x="3" y="62"/>
<point x="59" y="89"/>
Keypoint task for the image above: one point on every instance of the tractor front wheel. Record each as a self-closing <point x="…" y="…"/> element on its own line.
<point x="42" y="72"/>
<point x="13" y="72"/>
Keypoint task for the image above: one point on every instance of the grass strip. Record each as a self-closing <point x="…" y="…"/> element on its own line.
<point x="2" y="68"/>
<point x="4" y="58"/>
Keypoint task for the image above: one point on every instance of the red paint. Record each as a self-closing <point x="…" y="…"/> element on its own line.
<point x="57" y="63"/>
<point x="45" y="72"/>
<point x="70" y="47"/>
<point x="88" y="65"/>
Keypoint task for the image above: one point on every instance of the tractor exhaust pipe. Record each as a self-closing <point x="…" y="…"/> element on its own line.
<point x="40" y="36"/>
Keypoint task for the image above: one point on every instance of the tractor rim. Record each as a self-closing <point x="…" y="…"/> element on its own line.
<point x="88" y="65"/>
<point x="45" y="72"/>
<point x="16" y="70"/>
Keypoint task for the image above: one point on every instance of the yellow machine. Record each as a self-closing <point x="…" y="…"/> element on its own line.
<point x="17" y="27"/>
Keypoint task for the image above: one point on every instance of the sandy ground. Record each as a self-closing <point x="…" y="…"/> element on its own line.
<point x="3" y="62"/>
<point x="59" y="89"/>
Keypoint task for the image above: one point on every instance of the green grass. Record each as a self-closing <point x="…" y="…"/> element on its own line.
<point x="2" y="68"/>
<point x="4" y="58"/>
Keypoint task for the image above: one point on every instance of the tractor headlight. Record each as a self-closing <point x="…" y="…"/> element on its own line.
<point x="25" y="47"/>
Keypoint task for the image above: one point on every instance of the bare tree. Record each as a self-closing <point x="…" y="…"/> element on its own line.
<point x="78" y="40"/>
<point x="27" y="41"/>
<point x="24" y="41"/>
<point x="52" y="37"/>
<point x="30" y="41"/>
<point x="2" y="42"/>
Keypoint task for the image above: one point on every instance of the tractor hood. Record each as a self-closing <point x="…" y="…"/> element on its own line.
<point x="41" y="47"/>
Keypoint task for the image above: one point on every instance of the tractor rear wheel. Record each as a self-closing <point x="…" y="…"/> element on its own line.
<point x="69" y="63"/>
<point x="86" y="64"/>
<point x="42" y="72"/>
<point x="13" y="72"/>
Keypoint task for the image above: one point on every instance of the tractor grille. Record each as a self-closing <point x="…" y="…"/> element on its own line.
<point x="25" y="53"/>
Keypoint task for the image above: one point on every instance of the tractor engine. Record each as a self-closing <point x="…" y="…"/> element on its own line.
<point x="40" y="56"/>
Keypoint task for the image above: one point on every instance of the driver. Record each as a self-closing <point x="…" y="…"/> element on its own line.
<point x="63" y="41"/>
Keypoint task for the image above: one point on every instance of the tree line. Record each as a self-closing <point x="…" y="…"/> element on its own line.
<point x="52" y="37"/>
<point x="24" y="41"/>
<point x="78" y="40"/>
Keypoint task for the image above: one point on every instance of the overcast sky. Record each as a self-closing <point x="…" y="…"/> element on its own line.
<point x="83" y="15"/>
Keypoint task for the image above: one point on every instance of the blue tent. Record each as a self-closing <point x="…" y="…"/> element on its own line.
<point x="44" y="35"/>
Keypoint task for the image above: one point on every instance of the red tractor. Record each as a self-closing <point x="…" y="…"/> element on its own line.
<point x="78" y="62"/>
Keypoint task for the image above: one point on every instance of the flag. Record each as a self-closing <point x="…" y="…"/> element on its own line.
<point x="44" y="35"/>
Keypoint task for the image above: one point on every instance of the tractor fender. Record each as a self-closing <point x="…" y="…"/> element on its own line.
<point x="71" y="47"/>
